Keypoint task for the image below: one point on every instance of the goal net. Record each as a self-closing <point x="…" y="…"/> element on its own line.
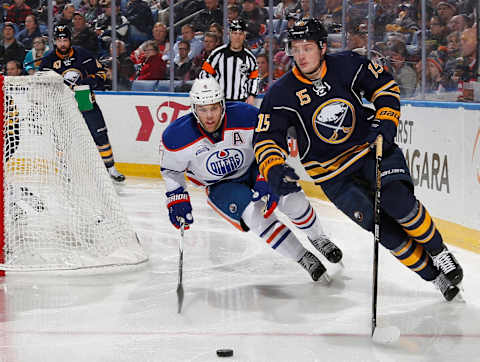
<point x="61" y="211"/>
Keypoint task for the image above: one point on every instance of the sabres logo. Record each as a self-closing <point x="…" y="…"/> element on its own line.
<point x="224" y="162"/>
<point x="334" y="120"/>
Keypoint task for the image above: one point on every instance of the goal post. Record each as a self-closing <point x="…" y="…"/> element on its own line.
<point x="60" y="209"/>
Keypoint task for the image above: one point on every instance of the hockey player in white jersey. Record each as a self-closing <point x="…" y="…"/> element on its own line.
<point x="212" y="145"/>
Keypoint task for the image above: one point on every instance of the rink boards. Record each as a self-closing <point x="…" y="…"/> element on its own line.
<point x="441" y="142"/>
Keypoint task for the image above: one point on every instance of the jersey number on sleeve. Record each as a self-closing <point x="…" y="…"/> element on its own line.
<point x="263" y="123"/>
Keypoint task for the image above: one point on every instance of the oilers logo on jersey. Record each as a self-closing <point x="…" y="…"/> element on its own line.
<point x="225" y="161"/>
<point x="334" y="120"/>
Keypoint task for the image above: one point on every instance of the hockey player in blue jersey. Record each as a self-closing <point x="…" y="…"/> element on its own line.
<point x="79" y="67"/>
<point x="321" y="97"/>
<point x="212" y="146"/>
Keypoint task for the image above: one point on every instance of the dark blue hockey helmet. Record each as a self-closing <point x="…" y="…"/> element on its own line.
<point x="62" y="31"/>
<point x="307" y="29"/>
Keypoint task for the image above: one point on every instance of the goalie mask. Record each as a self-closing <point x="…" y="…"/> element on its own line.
<point x="206" y="92"/>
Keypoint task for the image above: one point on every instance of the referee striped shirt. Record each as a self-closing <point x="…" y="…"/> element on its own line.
<point x="237" y="72"/>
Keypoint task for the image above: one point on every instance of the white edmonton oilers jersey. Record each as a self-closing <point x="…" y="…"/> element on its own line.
<point x="187" y="148"/>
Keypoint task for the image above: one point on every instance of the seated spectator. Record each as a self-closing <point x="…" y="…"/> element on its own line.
<point x="255" y="20"/>
<point x="183" y="65"/>
<point x="159" y="33"/>
<point x="103" y="27"/>
<point x="438" y="32"/>
<point x="433" y="75"/>
<point x="289" y="6"/>
<point x="91" y="10"/>
<point x="212" y="14"/>
<point x="233" y="12"/>
<point x="262" y="61"/>
<point x="334" y="12"/>
<point x="466" y="68"/>
<point x="31" y="31"/>
<point x="195" y="44"/>
<point x="82" y="35"/>
<point x="459" y="23"/>
<point x="210" y="42"/>
<point x="446" y="10"/>
<point x="152" y="67"/>
<point x="33" y="59"/>
<point x="402" y="72"/>
<point x="217" y="29"/>
<point x="275" y="46"/>
<point x="125" y="66"/>
<point x="140" y="16"/>
<point x="305" y="11"/>
<point x="14" y="68"/>
<point x="18" y="12"/>
<point x="358" y="38"/>
<point x="66" y="16"/>
<point x="10" y="48"/>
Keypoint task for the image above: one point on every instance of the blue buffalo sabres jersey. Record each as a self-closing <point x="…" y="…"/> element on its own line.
<point x="329" y="117"/>
<point x="77" y="67"/>
<point x="207" y="160"/>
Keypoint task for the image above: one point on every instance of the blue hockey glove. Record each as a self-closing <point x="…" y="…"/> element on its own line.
<point x="282" y="180"/>
<point x="179" y="207"/>
<point x="262" y="191"/>
<point x="386" y="128"/>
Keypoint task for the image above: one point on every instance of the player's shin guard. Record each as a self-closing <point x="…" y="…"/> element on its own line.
<point x="299" y="210"/>
<point x="414" y="256"/>
<point x="418" y="224"/>
<point x="281" y="239"/>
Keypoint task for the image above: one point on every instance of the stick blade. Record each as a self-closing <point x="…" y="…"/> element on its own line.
<point x="180" y="298"/>
<point x="386" y="335"/>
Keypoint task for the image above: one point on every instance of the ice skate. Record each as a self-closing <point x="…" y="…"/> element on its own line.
<point x="328" y="249"/>
<point x="448" y="289"/>
<point x="448" y="265"/>
<point x="115" y="175"/>
<point x="314" y="267"/>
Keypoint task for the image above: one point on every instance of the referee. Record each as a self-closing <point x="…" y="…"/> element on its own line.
<point x="234" y="66"/>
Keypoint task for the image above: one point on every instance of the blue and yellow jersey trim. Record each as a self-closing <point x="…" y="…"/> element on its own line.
<point x="389" y="89"/>
<point x="323" y="171"/>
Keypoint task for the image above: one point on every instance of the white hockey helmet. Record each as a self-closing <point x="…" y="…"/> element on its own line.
<point x="206" y="91"/>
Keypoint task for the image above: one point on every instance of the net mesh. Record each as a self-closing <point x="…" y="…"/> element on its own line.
<point x="61" y="208"/>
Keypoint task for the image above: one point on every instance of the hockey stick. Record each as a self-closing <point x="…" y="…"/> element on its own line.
<point x="180" y="266"/>
<point x="376" y="226"/>
<point x="385" y="334"/>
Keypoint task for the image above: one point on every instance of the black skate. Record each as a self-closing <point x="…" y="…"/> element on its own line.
<point x="115" y="175"/>
<point x="328" y="249"/>
<point x="448" y="289"/>
<point x="313" y="266"/>
<point x="448" y="265"/>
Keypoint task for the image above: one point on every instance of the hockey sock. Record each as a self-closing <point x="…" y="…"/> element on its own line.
<point x="276" y="234"/>
<point x="419" y="225"/>
<point x="107" y="154"/>
<point x="299" y="210"/>
<point x="414" y="256"/>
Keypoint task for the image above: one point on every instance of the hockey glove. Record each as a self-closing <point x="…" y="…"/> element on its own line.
<point x="262" y="191"/>
<point x="282" y="179"/>
<point x="384" y="127"/>
<point x="179" y="207"/>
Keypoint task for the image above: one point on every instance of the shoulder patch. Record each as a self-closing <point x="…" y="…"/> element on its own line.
<point x="181" y="133"/>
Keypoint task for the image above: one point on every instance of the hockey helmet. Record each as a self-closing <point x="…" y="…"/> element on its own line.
<point x="307" y="29"/>
<point x="62" y="31"/>
<point x="206" y="91"/>
<point x="238" y="25"/>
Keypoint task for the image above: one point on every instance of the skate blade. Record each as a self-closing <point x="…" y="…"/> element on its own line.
<point x="325" y="279"/>
<point x="459" y="297"/>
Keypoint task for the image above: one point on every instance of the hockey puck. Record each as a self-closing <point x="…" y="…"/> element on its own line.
<point x="225" y="352"/>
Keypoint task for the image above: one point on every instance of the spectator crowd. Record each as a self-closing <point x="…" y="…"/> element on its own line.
<point x="143" y="48"/>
